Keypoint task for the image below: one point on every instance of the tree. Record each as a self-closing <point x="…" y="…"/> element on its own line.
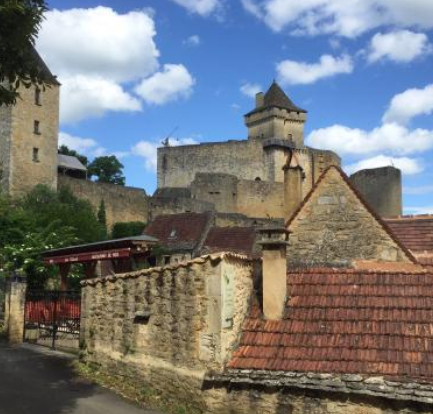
<point x="19" y="62"/>
<point x="107" y="169"/>
<point x="64" y="150"/>
<point x="41" y="221"/>
<point x="102" y="217"/>
<point x="127" y="229"/>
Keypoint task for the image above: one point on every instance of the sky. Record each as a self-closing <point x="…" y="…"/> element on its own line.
<point x="135" y="72"/>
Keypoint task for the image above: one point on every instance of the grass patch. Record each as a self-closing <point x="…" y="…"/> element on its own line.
<point x="143" y="396"/>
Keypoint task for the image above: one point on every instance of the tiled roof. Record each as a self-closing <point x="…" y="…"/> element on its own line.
<point x="180" y="231"/>
<point x="415" y="232"/>
<point x="233" y="239"/>
<point x="275" y="97"/>
<point x="346" y="322"/>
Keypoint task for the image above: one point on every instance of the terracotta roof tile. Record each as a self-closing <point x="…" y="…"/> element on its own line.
<point x="234" y="239"/>
<point x="180" y="231"/>
<point x="415" y="232"/>
<point x="367" y="322"/>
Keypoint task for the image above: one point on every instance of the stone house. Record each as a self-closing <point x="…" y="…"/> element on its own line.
<point x="224" y="333"/>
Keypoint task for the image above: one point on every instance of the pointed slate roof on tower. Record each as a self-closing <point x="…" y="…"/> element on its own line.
<point x="275" y="97"/>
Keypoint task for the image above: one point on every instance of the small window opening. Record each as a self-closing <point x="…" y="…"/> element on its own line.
<point x="35" y="154"/>
<point x="38" y="96"/>
<point x="166" y="260"/>
<point x="37" y="127"/>
<point x="257" y="179"/>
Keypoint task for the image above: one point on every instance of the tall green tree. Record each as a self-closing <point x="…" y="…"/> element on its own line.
<point x="20" y="21"/>
<point x="65" y="150"/>
<point x="107" y="169"/>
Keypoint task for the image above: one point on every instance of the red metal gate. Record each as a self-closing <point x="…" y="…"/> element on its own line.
<point x="51" y="316"/>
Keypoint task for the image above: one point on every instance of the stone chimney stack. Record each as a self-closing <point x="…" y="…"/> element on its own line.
<point x="293" y="177"/>
<point x="274" y="241"/>
<point x="260" y="100"/>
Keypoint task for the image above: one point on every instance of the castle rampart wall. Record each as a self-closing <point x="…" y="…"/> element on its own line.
<point x="122" y="204"/>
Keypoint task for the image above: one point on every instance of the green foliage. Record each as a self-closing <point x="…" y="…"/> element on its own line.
<point x="127" y="229"/>
<point x="64" y="150"/>
<point x="107" y="169"/>
<point x="102" y="217"/>
<point x="41" y="221"/>
<point x="20" y="23"/>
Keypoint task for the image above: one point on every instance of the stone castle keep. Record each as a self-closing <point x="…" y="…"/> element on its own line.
<point x="243" y="182"/>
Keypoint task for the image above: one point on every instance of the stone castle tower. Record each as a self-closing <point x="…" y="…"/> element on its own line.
<point x="29" y="138"/>
<point x="276" y="116"/>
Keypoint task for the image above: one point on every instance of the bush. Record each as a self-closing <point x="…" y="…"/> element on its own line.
<point x="127" y="229"/>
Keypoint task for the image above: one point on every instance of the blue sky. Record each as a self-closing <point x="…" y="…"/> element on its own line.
<point x="133" y="71"/>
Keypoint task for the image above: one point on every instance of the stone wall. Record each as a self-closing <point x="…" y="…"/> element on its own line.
<point x="167" y="205"/>
<point x="166" y="327"/>
<point x="248" y="398"/>
<point x="252" y="198"/>
<point x="122" y="204"/>
<point x="334" y="228"/>
<point x="32" y="154"/>
<point x="382" y="189"/>
<point x="177" y="166"/>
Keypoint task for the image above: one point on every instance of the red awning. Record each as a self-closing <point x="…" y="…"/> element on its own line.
<point x="90" y="256"/>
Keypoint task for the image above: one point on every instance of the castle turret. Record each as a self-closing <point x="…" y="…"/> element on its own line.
<point x="29" y="137"/>
<point x="276" y="117"/>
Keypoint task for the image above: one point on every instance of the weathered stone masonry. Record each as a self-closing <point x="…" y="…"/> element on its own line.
<point x="168" y="326"/>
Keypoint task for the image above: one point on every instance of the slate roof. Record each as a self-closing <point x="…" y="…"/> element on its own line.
<point x="276" y="97"/>
<point x="346" y="322"/>
<point x="45" y="70"/>
<point x="184" y="231"/>
<point x="233" y="239"/>
<point x="415" y="232"/>
<point x="70" y="162"/>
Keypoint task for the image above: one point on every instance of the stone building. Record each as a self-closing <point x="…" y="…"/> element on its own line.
<point x="242" y="181"/>
<point x="226" y="334"/>
<point x="246" y="176"/>
<point x="29" y="134"/>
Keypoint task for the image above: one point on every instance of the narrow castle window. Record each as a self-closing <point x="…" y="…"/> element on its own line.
<point x="36" y="127"/>
<point x="35" y="154"/>
<point x="38" y="96"/>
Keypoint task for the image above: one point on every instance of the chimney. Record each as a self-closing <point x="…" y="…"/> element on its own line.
<point x="260" y="100"/>
<point x="274" y="241"/>
<point x="293" y="177"/>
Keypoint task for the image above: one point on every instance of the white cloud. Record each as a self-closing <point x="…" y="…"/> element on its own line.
<point x="419" y="210"/>
<point x="399" y="46"/>
<point x="407" y="165"/>
<point x="99" y="42"/>
<point x="81" y="145"/>
<point x="201" y="7"/>
<point x="87" y="146"/>
<point x="170" y="84"/>
<point x="291" y="72"/>
<point x="409" y="104"/>
<point x="392" y="138"/>
<point x="250" y="89"/>
<point x="344" y="18"/>
<point x="85" y="97"/>
<point x="423" y="189"/>
<point x="148" y="150"/>
<point x="192" y="41"/>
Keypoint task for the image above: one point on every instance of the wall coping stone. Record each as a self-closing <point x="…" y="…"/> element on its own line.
<point x="410" y="390"/>
<point x="215" y="257"/>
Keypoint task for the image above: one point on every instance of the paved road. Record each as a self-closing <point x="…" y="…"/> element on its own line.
<point x="35" y="380"/>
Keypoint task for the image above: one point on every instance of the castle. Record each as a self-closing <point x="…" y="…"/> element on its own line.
<point x="243" y="182"/>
